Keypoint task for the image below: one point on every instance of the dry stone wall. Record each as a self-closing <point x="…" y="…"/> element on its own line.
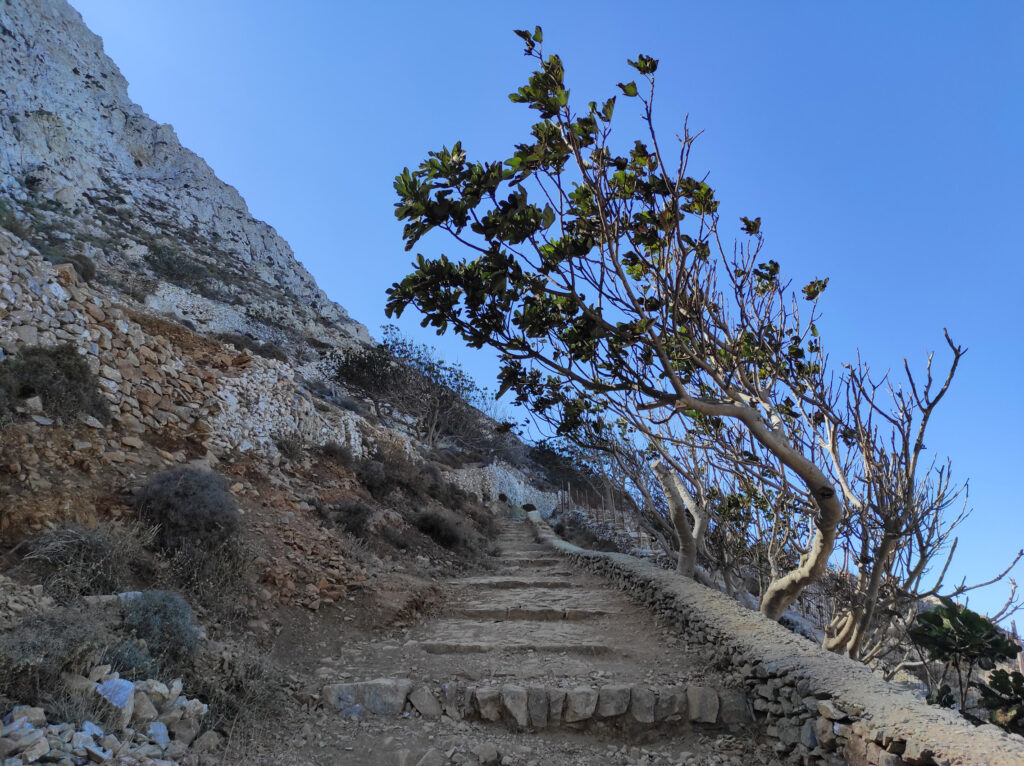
<point x="160" y="378"/>
<point x="820" y="708"/>
<point x="497" y="480"/>
<point x="151" y="380"/>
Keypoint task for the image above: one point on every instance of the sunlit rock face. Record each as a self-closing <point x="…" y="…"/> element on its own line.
<point x="87" y="173"/>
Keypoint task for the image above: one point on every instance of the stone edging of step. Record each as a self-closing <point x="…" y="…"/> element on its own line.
<point x="634" y="706"/>
<point x="817" y="706"/>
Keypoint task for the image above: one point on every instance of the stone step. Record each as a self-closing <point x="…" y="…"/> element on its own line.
<point x="463" y="636"/>
<point x="560" y="600"/>
<point x="537" y="613"/>
<point x="506" y="581"/>
<point x="532" y="562"/>
<point x="543" y="706"/>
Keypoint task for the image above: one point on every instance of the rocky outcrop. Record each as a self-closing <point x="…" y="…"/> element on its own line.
<point x="89" y="175"/>
<point x="498" y="480"/>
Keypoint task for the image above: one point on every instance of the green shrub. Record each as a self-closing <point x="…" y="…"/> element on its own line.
<point x="74" y="561"/>
<point x="59" y="376"/>
<point x="1003" y="696"/>
<point x="962" y="640"/>
<point x="440" y="528"/>
<point x="191" y="507"/>
<point x="35" y="653"/>
<point x="165" y="622"/>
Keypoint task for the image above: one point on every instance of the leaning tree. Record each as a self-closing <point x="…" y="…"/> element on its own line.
<point x="598" y="273"/>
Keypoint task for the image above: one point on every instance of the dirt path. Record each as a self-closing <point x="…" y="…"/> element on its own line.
<point x="531" y="621"/>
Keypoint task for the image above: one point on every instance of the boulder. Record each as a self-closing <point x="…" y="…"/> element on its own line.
<point x="671" y="701"/>
<point x="384" y="696"/>
<point x="556" y="706"/>
<point x="487" y="753"/>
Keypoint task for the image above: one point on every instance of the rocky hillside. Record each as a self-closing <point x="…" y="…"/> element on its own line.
<point x="91" y="180"/>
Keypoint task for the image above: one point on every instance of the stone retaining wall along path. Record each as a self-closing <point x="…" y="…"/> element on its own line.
<point x="820" y="707"/>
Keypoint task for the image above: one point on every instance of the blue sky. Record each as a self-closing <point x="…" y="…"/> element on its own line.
<point x="879" y="142"/>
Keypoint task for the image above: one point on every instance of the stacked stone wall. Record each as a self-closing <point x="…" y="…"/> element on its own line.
<point x="819" y="708"/>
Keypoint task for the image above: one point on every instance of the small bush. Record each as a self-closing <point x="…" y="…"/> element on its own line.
<point x="130" y="658"/>
<point x="290" y="445"/>
<point x="337" y="452"/>
<point x="10" y="221"/>
<point x="165" y="621"/>
<point x="58" y="375"/>
<point x="74" y="561"/>
<point x="267" y="350"/>
<point x="374" y="477"/>
<point x="34" y="654"/>
<point x="351" y="516"/>
<point x="440" y="528"/>
<point x="59" y="253"/>
<point x="192" y="507"/>
<point x="216" y="578"/>
<point x="242" y="692"/>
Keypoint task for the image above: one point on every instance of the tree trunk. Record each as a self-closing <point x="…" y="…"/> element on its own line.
<point x="675" y="494"/>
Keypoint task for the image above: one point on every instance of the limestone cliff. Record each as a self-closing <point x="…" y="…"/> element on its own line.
<point x="88" y="175"/>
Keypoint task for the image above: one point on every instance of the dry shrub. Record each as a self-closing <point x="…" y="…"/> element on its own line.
<point x="35" y="653"/>
<point x="350" y="515"/>
<point x="165" y="622"/>
<point x="291" y="445"/>
<point x="441" y="528"/>
<point x="338" y="452"/>
<point x="73" y="560"/>
<point x="243" y="689"/>
<point x="217" y="578"/>
<point x="191" y="507"/>
<point x="59" y="376"/>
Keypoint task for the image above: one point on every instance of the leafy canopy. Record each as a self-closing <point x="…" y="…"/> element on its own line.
<point x="596" y="270"/>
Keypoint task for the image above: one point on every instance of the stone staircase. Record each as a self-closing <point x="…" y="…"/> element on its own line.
<point x="537" y="652"/>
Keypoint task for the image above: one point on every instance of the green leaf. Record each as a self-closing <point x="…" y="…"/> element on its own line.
<point x="528" y="39"/>
<point x="629" y="88"/>
<point x="751" y="227"/>
<point x="814" y="288"/>
<point x="644" y="64"/>
<point x="538" y="35"/>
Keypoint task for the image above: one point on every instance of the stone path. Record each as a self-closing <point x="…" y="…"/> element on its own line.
<point x="532" y="664"/>
<point x="537" y="621"/>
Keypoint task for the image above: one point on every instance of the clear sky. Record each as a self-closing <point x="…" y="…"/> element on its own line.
<point x="881" y="143"/>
